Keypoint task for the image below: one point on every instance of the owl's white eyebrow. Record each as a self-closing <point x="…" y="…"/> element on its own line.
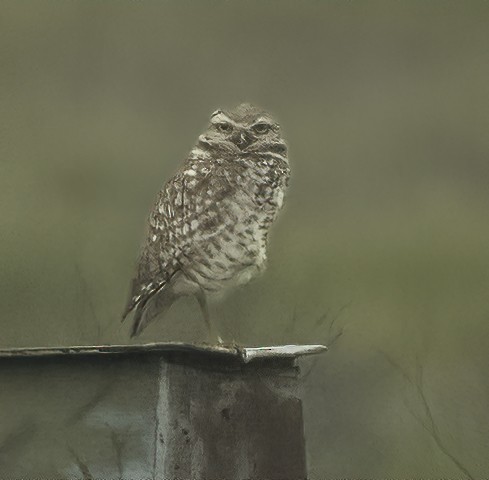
<point x="221" y="117"/>
<point x="262" y="120"/>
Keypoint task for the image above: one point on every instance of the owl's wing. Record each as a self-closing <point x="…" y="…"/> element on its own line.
<point x="164" y="244"/>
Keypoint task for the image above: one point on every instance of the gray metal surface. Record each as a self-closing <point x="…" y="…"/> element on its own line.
<point x="154" y="411"/>
<point x="233" y="420"/>
<point x="246" y="354"/>
<point x="76" y="417"/>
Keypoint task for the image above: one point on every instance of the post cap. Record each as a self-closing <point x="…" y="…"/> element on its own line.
<point x="241" y="353"/>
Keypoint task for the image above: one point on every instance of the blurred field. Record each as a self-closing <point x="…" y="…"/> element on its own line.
<point x="385" y="108"/>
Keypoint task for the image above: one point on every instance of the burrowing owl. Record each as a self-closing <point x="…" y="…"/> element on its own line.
<point x="208" y="229"/>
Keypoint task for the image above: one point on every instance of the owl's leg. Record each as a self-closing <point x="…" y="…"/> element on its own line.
<point x="201" y="298"/>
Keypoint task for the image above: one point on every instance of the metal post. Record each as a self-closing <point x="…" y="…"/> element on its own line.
<point x="162" y="411"/>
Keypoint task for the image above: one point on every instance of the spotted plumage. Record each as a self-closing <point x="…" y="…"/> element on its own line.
<point x="208" y="229"/>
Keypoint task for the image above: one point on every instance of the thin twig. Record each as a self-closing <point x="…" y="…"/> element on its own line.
<point x="85" y="291"/>
<point x="428" y="423"/>
<point x="83" y="467"/>
<point x="320" y="321"/>
<point x="291" y="327"/>
<point x="331" y="340"/>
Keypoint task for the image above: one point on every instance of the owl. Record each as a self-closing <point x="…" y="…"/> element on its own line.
<point x="209" y="227"/>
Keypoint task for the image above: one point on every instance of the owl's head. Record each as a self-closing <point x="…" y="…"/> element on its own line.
<point x="246" y="129"/>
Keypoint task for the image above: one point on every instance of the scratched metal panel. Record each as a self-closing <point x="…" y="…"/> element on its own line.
<point x="233" y="420"/>
<point x="78" y="417"/>
<point x="135" y="412"/>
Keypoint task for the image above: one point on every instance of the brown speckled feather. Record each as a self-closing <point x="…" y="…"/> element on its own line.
<point x="209" y="227"/>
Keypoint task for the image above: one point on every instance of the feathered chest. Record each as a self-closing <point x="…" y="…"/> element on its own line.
<point x="257" y="183"/>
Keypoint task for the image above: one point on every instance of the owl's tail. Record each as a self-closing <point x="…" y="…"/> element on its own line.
<point x="146" y="312"/>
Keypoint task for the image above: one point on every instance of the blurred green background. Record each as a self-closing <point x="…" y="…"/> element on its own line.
<point x="385" y="233"/>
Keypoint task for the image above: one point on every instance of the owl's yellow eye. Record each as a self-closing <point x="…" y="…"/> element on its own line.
<point x="261" y="128"/>
<point x="224" y="127"/>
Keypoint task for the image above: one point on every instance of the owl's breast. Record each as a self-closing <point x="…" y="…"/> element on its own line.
<point x="234" y="209"/>
<point x="234" y="250"/>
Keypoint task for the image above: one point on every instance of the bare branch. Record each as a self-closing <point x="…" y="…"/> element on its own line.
<point x="338" y="313"/>
<point x="87" y="298"/>
<point x="331" y="339"/>
<point x="335" y="338"/>
<point x="397" y="366"/>
<point x="83" y="467"/>
<point x="428" y="422"/>
<point x="320" y="321"/>
<point x="291" y="327"/>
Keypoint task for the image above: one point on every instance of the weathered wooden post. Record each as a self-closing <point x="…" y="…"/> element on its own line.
<point x="161" y="411"/>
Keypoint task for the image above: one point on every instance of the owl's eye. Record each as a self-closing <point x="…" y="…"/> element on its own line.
<point x="224" y="127"/>
<point x="261" y="128"/>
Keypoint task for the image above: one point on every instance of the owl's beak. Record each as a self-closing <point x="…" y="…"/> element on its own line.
<point x="241" y="140"/>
